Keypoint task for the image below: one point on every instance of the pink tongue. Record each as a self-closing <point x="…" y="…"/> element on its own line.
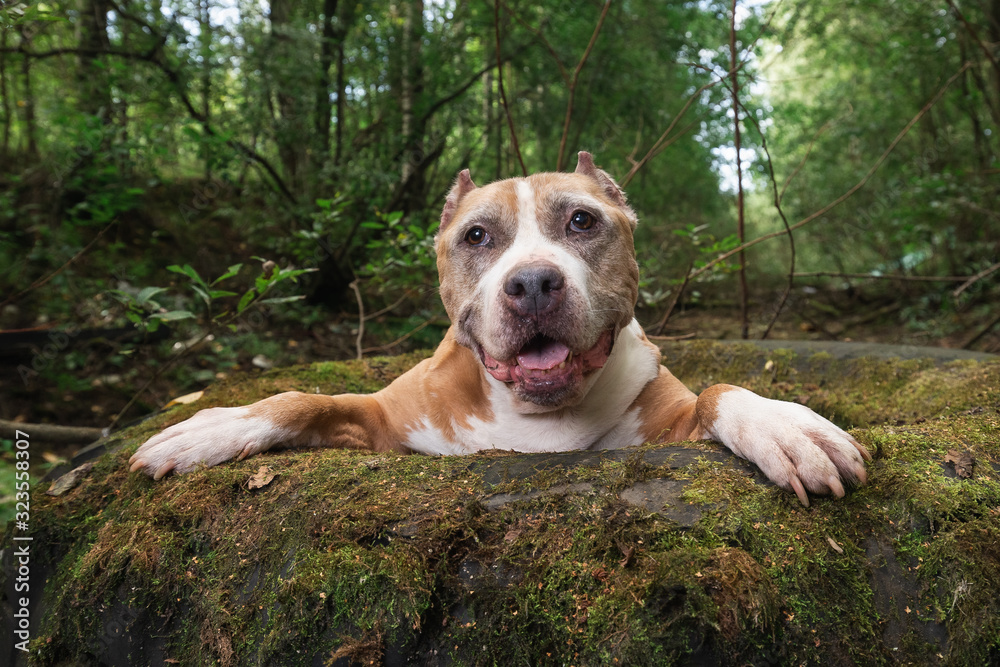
<point x="543" y="357"/>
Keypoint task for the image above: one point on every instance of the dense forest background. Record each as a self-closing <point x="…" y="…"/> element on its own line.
<point x="191" y="187"/>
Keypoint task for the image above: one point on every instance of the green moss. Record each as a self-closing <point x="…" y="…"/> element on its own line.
<point x="350" y="555"/>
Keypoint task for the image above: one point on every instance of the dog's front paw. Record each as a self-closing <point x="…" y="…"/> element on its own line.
<point x="210" y="437"/>
<point x="796" y="448"/>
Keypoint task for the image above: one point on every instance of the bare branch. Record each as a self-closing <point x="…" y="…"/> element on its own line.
<point x="503" y="95"/>
<point x="740" y="212"/>
<point x="974" y="279"/>
<point x="573" y="82"/>
<point x="847" y="195"/>
<point x="41" y="281"/>
<point x="878" y="276"/>
<point x="361" y="317"/>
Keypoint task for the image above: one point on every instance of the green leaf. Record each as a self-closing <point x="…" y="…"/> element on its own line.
<point x="203" y="293"/>
<point x="245" y="300"/>
<point x="230" y="272"/>
<point x="146" y="293"/>
<point x="283" y="299"/>
<point x="373" y="225"/>
<point x="187" y="270"/>
<point x="172" y="315"/>
<point x="220" y="293"/>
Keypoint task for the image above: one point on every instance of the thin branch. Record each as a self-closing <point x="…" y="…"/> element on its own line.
<point x="387" y="346"/>
<point x="41" y="281"/>
<point x="982" y="332"/>
<point x="847" y="195"/>
<point x="538" y="33"/>
<point x="659" y="326"/>
<point x="52" y="433"/>
<point x="740" y="212"/>
<point x="153" y="57"/>
<point x="663" y="137"/>
<point x="877" y="276"/>
<point x="387" y="309"/>
<point x="361" y="317"/>
<point x="972" y="32"/>
<point x="974" y="279"/>
<point x="657" y="147"/>
<point x="503" y="94"/>
<point x="784" y="220"/>
<point x="573" y="82"/>
<point x="802" y="162"/>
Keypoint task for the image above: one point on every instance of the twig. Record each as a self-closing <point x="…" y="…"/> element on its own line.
<point x="156" y="375"/>
<point x="805" y="157"/>
<point x="650" y="153"/>
<point x="382" y="348"/>
<point x="784" y="220"/>
<point x="538" y="33"/>
<point x="847" y="195"/>
<point x="387" y="309"/>
<point x="982" y="332"/>
<point x="972" y="32"/>
<point x="740" y="213"/>
<point x="655" y="150"/>
<point x="875" y="276"/>
<point x="361" y="317"/>
<point x="68" y="435"/>
<point x="573" y="82"/>
<point x="41" y="281"/>
<point x="974" y="279"/>
<point x="503" y="95"/>
<point x="658" y="327"/>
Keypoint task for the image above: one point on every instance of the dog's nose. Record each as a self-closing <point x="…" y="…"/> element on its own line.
<point x="534" y="289"/>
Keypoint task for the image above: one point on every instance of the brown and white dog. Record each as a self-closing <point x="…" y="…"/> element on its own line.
<point x="539" y="278"/>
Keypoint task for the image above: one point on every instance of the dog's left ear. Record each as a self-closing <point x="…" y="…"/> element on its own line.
<point x="585" y="165"/>
<point x="463" y="185"/>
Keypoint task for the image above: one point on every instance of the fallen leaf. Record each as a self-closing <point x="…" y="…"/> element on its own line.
<point x="185" y="399"/>
<point x="262" y="478"/>
<point x="962" y="461"/>
<point x="69" y="480"/>
<point x="836" y="547"/>
<point x="512" y="535"/>
<point x="627" y="555"/>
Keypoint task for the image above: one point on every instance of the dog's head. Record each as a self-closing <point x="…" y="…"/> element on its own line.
<point x="538" y="276"/>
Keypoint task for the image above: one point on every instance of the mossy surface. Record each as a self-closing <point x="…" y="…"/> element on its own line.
<point x="505" y="559"/>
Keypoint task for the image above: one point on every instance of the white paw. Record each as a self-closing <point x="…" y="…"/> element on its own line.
<point x="796" y="448"/>
<point x="210" y="437"/>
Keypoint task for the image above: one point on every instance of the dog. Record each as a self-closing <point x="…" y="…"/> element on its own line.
<point x="544" y="354"/>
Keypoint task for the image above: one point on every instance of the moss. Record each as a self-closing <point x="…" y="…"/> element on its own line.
<point x="357" y="556"/>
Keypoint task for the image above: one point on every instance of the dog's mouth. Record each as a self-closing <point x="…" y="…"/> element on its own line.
<point x="545" y="366"/>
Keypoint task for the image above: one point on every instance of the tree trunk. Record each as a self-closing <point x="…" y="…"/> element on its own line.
<point x="411" y="89"/>
<point x="290" y="133"/>
<point x="92" y="33"/>
<point x="30" y="131"/>
<point x="205" y="29"/>
<point x="323" y="107"/>
<point x="4" y="97"/>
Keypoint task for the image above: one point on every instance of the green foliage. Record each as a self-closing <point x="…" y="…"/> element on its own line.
<point x="143" y="309"/>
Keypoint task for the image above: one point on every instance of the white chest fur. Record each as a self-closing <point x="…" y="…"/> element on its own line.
<point x="600" y="417"/>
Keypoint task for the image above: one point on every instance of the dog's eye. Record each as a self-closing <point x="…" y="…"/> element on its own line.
<point x="581" y="221"/>
<point x="476" y="236"/>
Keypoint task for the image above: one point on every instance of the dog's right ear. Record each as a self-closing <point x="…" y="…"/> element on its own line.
<point x="463" y="186"/>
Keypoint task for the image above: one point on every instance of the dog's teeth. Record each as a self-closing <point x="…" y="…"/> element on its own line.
<point x="569" y="359"/>
<point x="562" y="365"/>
